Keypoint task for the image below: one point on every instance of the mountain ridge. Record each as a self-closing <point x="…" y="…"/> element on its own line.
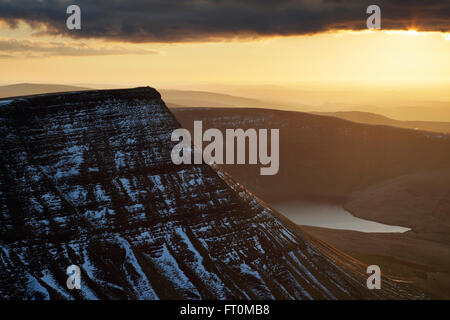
<point x="86" y="178"/>
<point x="27" y="89"/>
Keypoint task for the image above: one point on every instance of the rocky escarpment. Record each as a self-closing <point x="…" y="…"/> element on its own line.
<point x="86" y="179"/>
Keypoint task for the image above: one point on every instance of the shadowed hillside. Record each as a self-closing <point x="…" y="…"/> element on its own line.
<point x="376" y="119"/>
<point x="390" y="175"/>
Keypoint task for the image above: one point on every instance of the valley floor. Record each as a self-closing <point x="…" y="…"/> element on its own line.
<point x="423" y="259"/>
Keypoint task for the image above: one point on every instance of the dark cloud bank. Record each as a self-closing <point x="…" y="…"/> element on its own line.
<point x="202" y="20"/>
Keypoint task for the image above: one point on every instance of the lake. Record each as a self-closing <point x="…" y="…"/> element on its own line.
<point x="329" y="215"/>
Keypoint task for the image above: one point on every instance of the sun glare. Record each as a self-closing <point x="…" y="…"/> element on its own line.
<point x="410" y="32"/>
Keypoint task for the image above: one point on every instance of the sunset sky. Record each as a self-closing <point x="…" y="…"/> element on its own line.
<point x="335" y="49"/>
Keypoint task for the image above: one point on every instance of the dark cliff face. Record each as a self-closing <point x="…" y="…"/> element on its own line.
<point x="87" y="179"/>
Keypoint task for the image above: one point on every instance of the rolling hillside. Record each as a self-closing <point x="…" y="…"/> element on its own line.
<point x="26" y="89"/>
<point x="376" y="119"/>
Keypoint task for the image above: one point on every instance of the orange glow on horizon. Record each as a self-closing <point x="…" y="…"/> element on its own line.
<point x="382" y="57"/>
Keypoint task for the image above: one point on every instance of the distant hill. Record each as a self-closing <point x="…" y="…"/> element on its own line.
<point x="181" y="98"/>
<point x="406" y="104"/>
<point x="26" y="89"/>
<point x="323" y="156"/>
<point x="429" y="111"/>
<point x="376" y="119"/>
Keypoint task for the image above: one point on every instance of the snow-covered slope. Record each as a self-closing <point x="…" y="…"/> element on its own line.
<point x="87" y="179"/>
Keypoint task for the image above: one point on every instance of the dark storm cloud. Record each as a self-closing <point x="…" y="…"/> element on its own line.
<point x="11" y="48"/>
<point x="201" y="20"/>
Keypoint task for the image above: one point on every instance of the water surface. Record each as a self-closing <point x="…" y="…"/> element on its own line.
<point x="328" y="215"/>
